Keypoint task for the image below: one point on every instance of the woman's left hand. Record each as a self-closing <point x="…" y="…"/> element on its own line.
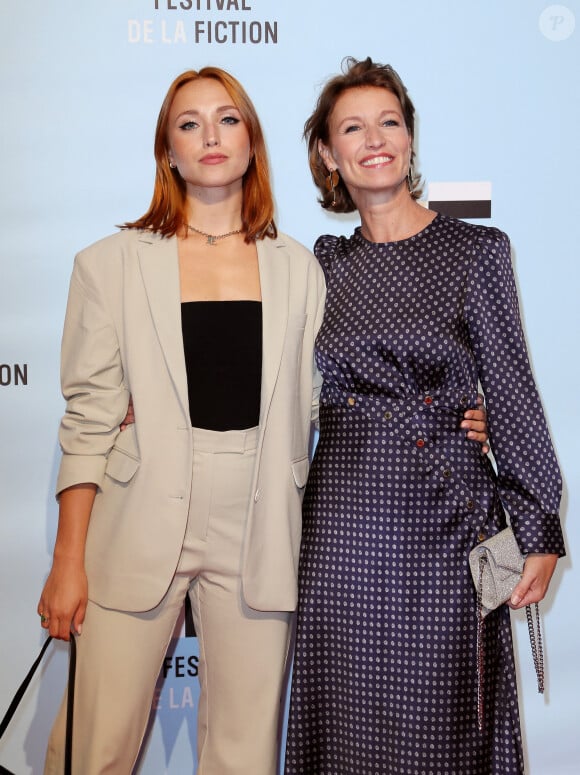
<point x="475" y="422"/>
<point x="538" y="570"/>
<point x="129" y="417"/>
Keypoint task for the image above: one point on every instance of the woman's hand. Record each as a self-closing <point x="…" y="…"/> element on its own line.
<point x="475" y="422"/>
<point x="538" y="570"/>
<point x="129" y="417"/>
<point x="63" y="602"/>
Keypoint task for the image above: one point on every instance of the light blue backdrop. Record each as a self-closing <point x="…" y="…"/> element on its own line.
<point x="495" y="85"/>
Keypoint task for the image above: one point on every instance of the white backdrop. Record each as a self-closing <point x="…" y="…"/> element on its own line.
<point x="495" y="86"/>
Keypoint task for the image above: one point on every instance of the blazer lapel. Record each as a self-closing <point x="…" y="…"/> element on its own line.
<point x="160" y="271"/>
<point x="273" y="262"/>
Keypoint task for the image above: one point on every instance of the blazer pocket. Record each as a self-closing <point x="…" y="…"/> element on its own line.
<point x="121" y="466"/>
<point x="300" y="470"/>
<point x="122" y="463"/>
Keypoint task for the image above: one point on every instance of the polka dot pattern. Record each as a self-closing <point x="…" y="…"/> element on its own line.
<point x="384" y="679"/>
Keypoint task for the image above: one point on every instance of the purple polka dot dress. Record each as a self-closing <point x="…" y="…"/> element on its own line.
<point x="385" y="672"/>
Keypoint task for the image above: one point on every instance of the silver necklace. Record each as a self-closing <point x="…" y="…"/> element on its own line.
<point x="213" y="238"/>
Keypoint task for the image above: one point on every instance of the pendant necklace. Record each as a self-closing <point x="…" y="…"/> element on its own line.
<point x="213" y="238"/>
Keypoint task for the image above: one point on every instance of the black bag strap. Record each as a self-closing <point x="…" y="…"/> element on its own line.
<point x="22" y="688"/>
<point x="16" y="700"/>
<point x="70" y="703"/>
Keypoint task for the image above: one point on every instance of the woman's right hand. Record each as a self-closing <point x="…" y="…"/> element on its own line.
<point x="63" y="601"/>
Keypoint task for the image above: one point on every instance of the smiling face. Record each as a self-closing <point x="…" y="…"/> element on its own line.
<point x="207" y="140"/>
<point x="368" y="142"/>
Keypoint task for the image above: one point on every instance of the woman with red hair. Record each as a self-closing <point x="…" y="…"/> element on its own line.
<point x="205" y="316"/>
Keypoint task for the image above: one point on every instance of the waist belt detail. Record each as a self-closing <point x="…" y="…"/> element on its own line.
<point x="384" y="408"/>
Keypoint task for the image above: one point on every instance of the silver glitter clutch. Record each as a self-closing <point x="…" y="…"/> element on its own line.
<point x="496" y="566"/>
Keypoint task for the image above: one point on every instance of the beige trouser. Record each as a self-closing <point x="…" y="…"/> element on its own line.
<point x="242" y="651"/>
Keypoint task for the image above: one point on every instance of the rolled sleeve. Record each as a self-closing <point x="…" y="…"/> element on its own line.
<point x="92" y="382"/>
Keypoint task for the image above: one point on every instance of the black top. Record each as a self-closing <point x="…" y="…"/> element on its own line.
<point x="222" y="342"/>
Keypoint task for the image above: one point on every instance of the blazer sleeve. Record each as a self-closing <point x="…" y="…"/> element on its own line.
<point x="317" y="376"/>
<point x="528" y="476"/>
<point x="91" y="378"/>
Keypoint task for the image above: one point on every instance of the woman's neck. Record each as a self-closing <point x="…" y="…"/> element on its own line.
<point x="394" y="219"/>
<point x="214" y="211"/>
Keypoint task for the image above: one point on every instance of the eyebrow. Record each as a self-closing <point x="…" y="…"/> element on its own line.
<point x="357" y="117"/>
<point x="195" y="112"/>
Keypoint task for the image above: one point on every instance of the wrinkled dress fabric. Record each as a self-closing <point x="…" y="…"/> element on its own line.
<point x="385" y="672"/>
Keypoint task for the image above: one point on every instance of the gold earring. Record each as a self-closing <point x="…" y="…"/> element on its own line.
<point x="330" y="183"/>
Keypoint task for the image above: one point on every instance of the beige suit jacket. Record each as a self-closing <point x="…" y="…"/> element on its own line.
<point x="122" y="336"/>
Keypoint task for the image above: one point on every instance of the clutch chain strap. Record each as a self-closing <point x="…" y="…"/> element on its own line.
<point x="535" y="643"/>
<point x="480" y="644"/>
<point x="537" y="647"/>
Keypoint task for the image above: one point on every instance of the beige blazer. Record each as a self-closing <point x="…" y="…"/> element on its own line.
<point x="122" y="336"/>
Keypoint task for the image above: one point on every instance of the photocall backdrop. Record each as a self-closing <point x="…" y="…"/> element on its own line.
<point x="495" y="84"/>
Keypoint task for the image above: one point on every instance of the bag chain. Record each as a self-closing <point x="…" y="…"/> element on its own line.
<point x="535" y="643"/>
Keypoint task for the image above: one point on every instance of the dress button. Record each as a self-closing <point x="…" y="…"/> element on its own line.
<point x="446" y="473"/>
<point x="481" y="536"/>
<point x="463" y="401"/>
<point x="420" y="443"/>
<point x="428" y="400"/>
<point x="470" y="504"/>
<point x="388" y="415"/>
<point x="351" y="401"/>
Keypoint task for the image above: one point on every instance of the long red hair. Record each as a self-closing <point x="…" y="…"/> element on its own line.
<point x="167" y="211"/>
